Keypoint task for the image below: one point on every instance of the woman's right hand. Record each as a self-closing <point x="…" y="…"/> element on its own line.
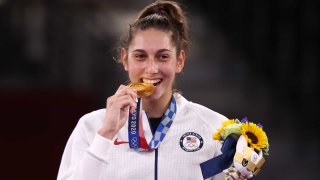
<point x="117" y="111"/>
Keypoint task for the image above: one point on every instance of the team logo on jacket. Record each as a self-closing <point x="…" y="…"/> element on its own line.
<point x="191" y="142"/>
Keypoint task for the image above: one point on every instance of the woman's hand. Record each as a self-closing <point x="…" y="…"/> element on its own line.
<point x="117" y="111"/>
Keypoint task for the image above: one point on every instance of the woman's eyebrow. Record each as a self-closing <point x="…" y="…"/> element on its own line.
<point x="159" y="51"/>
<point x="163" y="50"/>
<point x="139" y="50"/>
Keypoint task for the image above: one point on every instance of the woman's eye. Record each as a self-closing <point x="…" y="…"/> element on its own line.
<point x="163" y="57"/>
<point x="139" y="56"/>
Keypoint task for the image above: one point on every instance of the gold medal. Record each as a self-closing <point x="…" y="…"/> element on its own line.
<point x="143" y="89"/>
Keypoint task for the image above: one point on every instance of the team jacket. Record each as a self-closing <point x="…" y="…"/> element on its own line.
<point x="89" y="156"/>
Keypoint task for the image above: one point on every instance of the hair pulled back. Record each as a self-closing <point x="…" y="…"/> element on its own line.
<point x="163" y="15"/>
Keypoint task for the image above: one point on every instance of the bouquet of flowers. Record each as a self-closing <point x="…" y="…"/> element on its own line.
<point x="252" y="144"/>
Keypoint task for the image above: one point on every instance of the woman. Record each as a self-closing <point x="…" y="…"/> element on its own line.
<point x="166" y="136"/>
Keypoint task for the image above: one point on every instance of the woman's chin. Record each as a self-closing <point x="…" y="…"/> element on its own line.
<point x="153" y="97"/>
<point x="157" y="95"/>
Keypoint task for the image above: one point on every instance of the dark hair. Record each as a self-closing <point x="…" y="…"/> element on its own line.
<point x="163" y="15"/>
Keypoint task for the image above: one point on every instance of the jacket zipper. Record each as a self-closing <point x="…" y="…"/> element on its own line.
<point x="155" y="154"/>
<point x="156" y="164"/>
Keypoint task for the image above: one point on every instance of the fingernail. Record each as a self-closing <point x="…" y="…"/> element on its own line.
<point x="137" y="100"/>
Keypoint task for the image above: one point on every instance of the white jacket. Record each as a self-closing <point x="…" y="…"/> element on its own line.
<point x="89" y="156"/>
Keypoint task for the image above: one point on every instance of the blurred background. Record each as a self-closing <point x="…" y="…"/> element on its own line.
<point x="255" y="59"/>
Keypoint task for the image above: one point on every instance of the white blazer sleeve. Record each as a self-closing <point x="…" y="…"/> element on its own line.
<point x="82" y="159"/>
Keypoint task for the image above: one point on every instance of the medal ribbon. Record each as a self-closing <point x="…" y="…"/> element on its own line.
<point x="137" y="139"/>
<point x="133" y="129"/>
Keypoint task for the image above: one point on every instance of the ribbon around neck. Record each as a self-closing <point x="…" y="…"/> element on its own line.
<point x="137" y="140"/>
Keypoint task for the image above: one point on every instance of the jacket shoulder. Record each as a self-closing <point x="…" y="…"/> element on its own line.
<point x="209" y="117"/>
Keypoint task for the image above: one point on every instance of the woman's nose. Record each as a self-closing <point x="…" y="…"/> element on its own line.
<point x="152" y="66"/>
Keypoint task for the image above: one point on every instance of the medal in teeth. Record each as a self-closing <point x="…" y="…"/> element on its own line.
<point x="143" y="89"/>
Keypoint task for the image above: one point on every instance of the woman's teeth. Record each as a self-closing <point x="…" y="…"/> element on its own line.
<point x="151" y="81"/>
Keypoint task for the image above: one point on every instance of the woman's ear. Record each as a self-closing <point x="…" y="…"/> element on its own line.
<point x="124" y="58"/>
<point x="180" y="61"/>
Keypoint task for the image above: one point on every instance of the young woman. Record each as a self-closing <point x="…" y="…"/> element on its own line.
<point x="161" y="136"/>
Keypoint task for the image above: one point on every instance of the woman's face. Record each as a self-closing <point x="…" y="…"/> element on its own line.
<point x="152" y="58"/>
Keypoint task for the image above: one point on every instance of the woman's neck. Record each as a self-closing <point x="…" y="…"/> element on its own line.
<point x="156" y="108"/>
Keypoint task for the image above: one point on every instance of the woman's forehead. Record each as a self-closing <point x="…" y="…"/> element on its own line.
<point x="151" y="39"/>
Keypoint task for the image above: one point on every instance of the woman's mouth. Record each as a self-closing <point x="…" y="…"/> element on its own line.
<point x="155" y="82"/>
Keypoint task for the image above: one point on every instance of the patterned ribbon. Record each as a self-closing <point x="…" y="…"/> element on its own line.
<point x="137" y="139"/>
